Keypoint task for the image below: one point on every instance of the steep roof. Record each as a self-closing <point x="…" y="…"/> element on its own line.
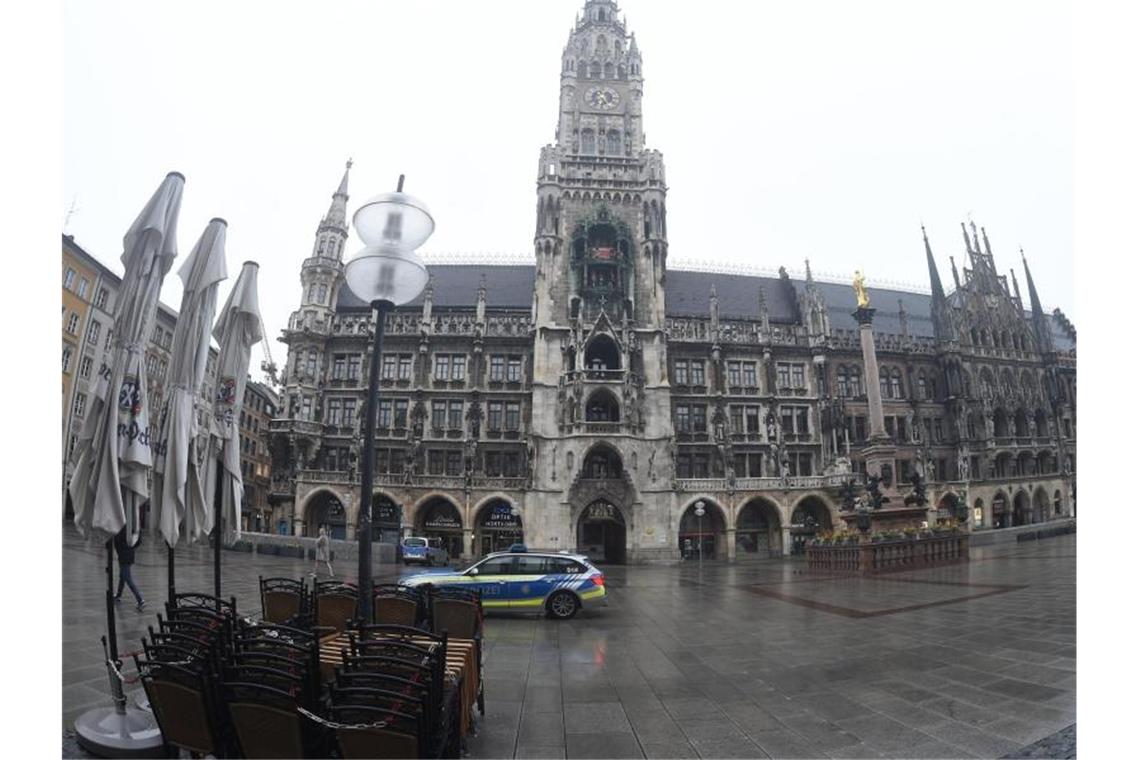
<point x="687" y="295"/>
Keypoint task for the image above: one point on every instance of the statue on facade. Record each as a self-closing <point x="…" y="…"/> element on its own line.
<point x="918" y="497"/>
<point x="875" y="497"/>
<point x="847" y="495"/>
<point x="989" y="425"/>
<point x="530" y="463"/>
<point x="770" y="425"/>
<point x="861" y="297"/>
<point x="963" y="465"/>
<point x="475" y="416"/>
<point x="652" y="457"/>
<point x="719" y="421"/>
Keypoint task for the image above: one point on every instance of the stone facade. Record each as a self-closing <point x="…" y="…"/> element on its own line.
<point x="258" y="410"/>
<point x="590" y="400"/>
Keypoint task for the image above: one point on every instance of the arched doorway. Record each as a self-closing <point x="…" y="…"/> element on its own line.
<point x="1040" y="505"/>
<point x="702" y="537"/>
<point x="601" y="533"/>
<point x="387" y="520"/>
<point x="811" y="516"/>
<point x="497" y="527"/>
<point x="758" y="531"/>
<point x="1058" y="506"/>
<point x="1001" y="510"/>
<point x="602" y="407"/>
<point x="326" y="509"/>
<point x="1022" y="514"/>
<point x="440" y="519"/>
<point x="979" y="513"/>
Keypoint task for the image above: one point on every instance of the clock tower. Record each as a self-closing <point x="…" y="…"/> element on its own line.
<point x="601" y="416"/>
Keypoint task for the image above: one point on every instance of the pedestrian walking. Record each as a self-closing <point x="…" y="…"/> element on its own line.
<point x="126" y="554"/>
<point x="322" y="553"/>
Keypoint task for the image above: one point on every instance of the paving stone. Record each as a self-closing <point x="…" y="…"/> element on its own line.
<point x="603" y="745"/>
<point x="537" y="752"/>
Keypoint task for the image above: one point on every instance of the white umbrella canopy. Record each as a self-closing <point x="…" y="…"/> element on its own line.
<point x="110" y="479"/>
<point x="238" y="328"/>
<point x="177" y="484"/>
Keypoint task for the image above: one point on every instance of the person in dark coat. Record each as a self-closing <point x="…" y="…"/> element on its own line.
<point x="126" y="553"/>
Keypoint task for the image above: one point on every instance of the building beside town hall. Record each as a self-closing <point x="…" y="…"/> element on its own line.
<point x="89" y="293"/>
<point x="589" y="400"/>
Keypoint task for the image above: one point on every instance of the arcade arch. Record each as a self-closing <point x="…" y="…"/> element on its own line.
<point x="758" y="530"/>
<point x="601" y="531"/>
<point x="325" y="508"/>
<point x="440" y="518"/>
<point x="702" y="536"/>
<point x="810" y="517"/>
<point x="498" y="525"/>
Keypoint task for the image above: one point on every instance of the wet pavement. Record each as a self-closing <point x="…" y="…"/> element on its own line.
<point x="747" y="660"/>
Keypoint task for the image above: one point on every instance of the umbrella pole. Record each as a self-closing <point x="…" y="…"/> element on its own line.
<point x="218" y="536"/>
<point x="112" y="638"/>
<point x="170" y="573"/>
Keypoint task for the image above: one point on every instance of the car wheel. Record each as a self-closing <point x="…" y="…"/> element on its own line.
<point x="562" y="605"/>
<point x="407" y="562"/>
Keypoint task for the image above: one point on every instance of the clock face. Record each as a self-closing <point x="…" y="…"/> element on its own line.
<point x="603" y="98"/>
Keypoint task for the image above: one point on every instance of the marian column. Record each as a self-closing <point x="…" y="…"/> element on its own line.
<point x="879" y="454"/>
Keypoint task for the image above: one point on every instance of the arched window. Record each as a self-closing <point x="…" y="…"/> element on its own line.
<point x="896" y="385"/>
<point x="855" y="380"/>
<point x="602" y="407"/>
<point x="609" y="71"/>
<point x="922" y="392"/>
<point x="613" y="143"/>
<point x="602" y="355"/>
<point x="602" y="463"/>
<point x="588" y="146"/>
<point x="885" y="385"/>
<point x="595" y="70"/>
<point x="581" y="69"/>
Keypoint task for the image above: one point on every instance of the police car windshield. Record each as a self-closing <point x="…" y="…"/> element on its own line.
<point x="415" y="542"/>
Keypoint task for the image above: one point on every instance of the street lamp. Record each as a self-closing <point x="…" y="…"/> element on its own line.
<point x="386" y="273"/>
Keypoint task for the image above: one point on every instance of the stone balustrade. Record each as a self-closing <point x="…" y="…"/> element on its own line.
<point x="867" y="558"/>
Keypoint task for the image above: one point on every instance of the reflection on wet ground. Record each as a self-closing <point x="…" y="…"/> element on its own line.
<point x="746" y="660"/>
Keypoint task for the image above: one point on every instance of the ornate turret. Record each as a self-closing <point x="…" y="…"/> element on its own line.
<point x="939" y="308"/>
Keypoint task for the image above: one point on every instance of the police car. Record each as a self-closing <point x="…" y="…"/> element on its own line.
<point x="521" y="581"/>
<point x="426" y="550"/>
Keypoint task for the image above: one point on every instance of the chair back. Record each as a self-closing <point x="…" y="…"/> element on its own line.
<point x="392" y="733"/>
<point x="183" y="704"/>
<point x="265" y="721"/>
<point x="459" y="618"/>
<point x="335" y="604"/>
<point x="282" y="599"/>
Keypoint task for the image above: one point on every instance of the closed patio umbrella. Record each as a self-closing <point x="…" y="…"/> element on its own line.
<point x="177" y="484"/>
<point x="109" y="483"/>
<point x="238" y="328"/>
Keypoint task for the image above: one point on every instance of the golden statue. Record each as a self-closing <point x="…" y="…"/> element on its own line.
<point x="861" y="296"/>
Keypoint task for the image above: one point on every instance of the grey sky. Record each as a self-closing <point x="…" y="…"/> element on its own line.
<point x="811" y="129"/>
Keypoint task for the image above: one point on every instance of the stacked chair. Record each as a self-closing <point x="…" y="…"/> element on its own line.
<point x="180" y="672"/>
<point x="284" y="601"/>
<point x="227" y="686"/>
<point x="393" y="679"/>
<point x="271" y="675"/>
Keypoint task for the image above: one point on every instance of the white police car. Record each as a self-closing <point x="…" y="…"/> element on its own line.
<point x="525" y="581"/>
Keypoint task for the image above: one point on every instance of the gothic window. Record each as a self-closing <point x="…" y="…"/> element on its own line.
<point x="321" y="247"/>
<point x="581" y="69"/>
<point x="734" y="374"/>
<point x="307" y="408"/>
<point x="312" y="292"/>
<point x="609" y="71"/>
<point x="322" y="293"/>
<point x="497" y="365"/>
<point x="339" y="365"/>
<point x="400" y="413"/>
<point x="514" y="369"/>
<point x="349" y="413"/>
<point x="354" y="367"/>
<point x="595" y="70"/>
<point x="438" y="415"/>
<point x="495" y="416"/>
<point x="405" y="368"/>
<point x="896" y="384"/>
<point x="80" y="404"/>
<point x="101" y="299"/>
<point x="680" y="372"/>
<point x="613" y="143"/>
<point x="332" y="413"/>
<point x="748" y="369"/>
<point x="602" y="407"/>
<point x="588" y="146"/>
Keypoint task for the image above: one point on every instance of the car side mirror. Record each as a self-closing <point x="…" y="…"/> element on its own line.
<point x="473" y="571"/>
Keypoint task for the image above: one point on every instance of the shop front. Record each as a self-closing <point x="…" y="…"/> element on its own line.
<point x="440" y="519"/>
<point x="498" y="526"/>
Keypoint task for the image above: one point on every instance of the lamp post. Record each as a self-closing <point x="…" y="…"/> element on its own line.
<point x="386" y="273"/>
<point x="699" y="509"/>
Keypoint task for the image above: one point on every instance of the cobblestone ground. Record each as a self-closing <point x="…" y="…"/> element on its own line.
<point x="746" y="660"/>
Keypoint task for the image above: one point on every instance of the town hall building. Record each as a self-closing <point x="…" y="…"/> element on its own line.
<point x="590" y="400"/>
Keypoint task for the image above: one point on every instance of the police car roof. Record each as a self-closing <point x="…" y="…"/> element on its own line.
<point x="580" y="557"/>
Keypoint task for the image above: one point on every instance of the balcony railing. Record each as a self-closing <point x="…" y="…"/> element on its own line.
<point x="300" y="427"/>
<point x="800" y="482"/>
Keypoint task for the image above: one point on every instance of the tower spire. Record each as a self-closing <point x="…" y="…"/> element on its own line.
<point x="338" y="210"/>
<point x="938" y="309"/>
<point x="1040" y="325"/>
<point x="954" y="270"/>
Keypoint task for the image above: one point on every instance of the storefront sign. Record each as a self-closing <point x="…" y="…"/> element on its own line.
<point x="500" y="518"/>
<point x="443" y="522"/>
<point x="387" y="514"/>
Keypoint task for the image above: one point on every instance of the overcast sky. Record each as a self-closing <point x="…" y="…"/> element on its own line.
<point x="811" y="129"/>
